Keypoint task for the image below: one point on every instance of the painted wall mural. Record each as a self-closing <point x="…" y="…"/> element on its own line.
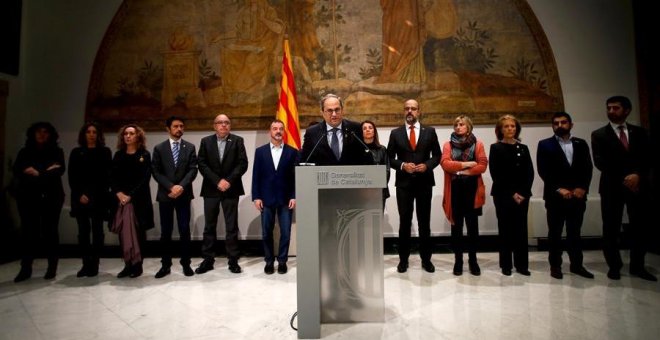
<point x="200" y="58"/>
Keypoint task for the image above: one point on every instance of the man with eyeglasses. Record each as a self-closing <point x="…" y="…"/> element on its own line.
<point x="414" y="152"/>
<point x="335" y="141"/>
<point x="222" y="162"/>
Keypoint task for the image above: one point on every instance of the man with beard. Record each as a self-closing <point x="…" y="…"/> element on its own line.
<point x="174" y="167"/>
<point x="414" y="152"/>
<point x="564" y="164"/>
<point x="273" y="193"/>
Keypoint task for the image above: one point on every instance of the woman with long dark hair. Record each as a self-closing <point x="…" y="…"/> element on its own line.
<point x="379" y="151"/>
<point x="39" y="167"/>
<point x="89" y="179"/>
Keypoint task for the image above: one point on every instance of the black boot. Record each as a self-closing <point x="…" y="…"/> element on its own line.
<point x="93" y="267"/>
<point x="474" y="266"/>
<point x="126" y="271"/>
<point x="52" y="269"/>
<point x="136" y="270"/>
<point x="458" y="264"/>
<point x="85" y="268"/>
<point x="24" y="274"/>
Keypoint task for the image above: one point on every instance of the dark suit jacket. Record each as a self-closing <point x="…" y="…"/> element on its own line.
<point x="615" y="163"/>
<point x="427" y="151"/>
<point x="556" y="172"/>
<point x="166" y="175"/>
<point x="234" y="165"/>
<point x="353" y="152"/>
<point x="274" y="187"/>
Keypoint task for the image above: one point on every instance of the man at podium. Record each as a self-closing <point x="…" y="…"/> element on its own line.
<point x="334" y="141"/>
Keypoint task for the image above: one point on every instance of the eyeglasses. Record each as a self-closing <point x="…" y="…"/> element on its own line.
<point x="331" y="111"/>
<point x="222" y="122"/>
<point x="410" y="108"/>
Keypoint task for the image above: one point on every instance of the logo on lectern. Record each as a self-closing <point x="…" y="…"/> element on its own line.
<point x="322" y="178"/>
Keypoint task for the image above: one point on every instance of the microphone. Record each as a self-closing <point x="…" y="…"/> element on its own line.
<point x="306" y="163"/>
<point x="366" y="148"/>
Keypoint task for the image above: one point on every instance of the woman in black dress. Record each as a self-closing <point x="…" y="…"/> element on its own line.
<point x="512" y="172"/>
<point x="38" y="168"/>
<point x="89" y="179"/>
<point x="129" y="181"/>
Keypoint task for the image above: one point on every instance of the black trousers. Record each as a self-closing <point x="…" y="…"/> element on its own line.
<point x="166" y="210"/>
<point x="420" y="200"/>
<point x="40" y="217"/>
<point x="570" y="212"/>
<point x="512" y="230"/>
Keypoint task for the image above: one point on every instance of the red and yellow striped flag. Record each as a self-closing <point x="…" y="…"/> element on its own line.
<point x="287" y="109"/>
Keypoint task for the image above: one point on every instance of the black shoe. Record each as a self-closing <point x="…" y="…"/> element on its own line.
<point x="269" y="268"/>
<point x="82" y="272"/>
<point x="506" y="272"/>
<point x="204" y="267"/>
<point x="643" y="274"/>
<point x="523" y="272"/>
<point x="458" y="268"/>
<point x="125" y="272"/>
<point x="92" y="270"/>
<point x="282" y="268"/>
<point x="23" y="274"/>
<point x="50" y="273"/>
<point x="556" y="273"/>
<point x="234" y="268"/>
<point x="187" y="271"/>
<point x="136" y="270"/>
<point x="474" y="268"/>
<point x="428" y="266"/>
<point x="402" y="267"/>
<point x="613" y="274"/>
<point x="162" y="272"/>
<point x="582" y="272"/>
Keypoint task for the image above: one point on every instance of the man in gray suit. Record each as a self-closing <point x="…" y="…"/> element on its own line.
<point x="222" y="162"/>
<point x="174" y="167"/>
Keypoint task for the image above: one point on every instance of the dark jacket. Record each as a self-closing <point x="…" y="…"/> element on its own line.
<point x="89" y="175"/>
<point x="234" y="164"/>
<point x="556" y="172"/>
<point x="131" y="174"/>
<point x="166" y="175"/>
<point x="353" y="152"/>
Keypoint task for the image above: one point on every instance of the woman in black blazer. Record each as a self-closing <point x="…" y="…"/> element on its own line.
<point x="89" y="179"/>
<point x="512" y="172"/>
<point x="129" y="181"/>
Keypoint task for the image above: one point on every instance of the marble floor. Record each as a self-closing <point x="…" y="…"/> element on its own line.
<point x="253" y="305"/>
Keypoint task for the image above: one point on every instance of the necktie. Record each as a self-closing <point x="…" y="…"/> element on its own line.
<point x="334" y="144"/>
<point x="622" y="136"/>
<point x="175" y="152"/>
<point x="413" y="142"/>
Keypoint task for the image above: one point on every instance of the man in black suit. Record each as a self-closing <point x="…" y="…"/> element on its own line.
<point x="622" y="154"/>
<point x="174" y="166"/>
<point x="414" y="152"/>
<point x="222" y="163"/>
<point x="334" y="141"/>
<point x="274" y="193"/>
<point x="564" y="164"/>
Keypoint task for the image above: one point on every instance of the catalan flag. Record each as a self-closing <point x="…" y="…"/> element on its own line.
<point x="287" y="109"/>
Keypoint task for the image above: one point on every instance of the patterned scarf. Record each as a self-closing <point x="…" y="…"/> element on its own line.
<point x="462" y="147"/>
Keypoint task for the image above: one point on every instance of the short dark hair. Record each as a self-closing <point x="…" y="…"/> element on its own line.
<point x="623" y="100"/>
<point x="170" y="120"/>
<point x="561" y="114"/>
